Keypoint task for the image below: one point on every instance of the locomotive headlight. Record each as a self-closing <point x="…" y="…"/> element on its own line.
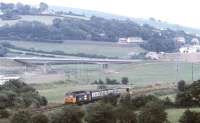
<point x="85" y="97"/>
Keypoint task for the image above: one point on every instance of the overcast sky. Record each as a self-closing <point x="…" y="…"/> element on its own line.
<point x="183" y="12"/>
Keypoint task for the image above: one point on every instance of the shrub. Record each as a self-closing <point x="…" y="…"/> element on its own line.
<point x="16" y="93"/>
<point x="181" y="85"/>
<point x="125" y="80"/>
<point x="124" y="115"/>
<point x="39" y="118"/>
<point x="4" y="113"/>
<point x="70" y="114"/>
<point x="100" y="82"/>
<point x="21" y="117"/>
<point x="43" y="101"/>
<point x="190" y="117"/>
<point x="168" y="102"/>
<point x="190" y="95"/>
<point x="153" y="112"/>
<point x="112" y="99"/>
<point x="111" y="81"/>
<point x="101" y="113"/>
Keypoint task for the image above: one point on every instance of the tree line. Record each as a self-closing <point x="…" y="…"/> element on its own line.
<point x="109" y="81"/>
<point x="12" y="11"/>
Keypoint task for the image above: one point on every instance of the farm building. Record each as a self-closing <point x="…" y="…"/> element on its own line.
<point x="195" y="41"/>
<point x="131" y="40"/>
<point x="1" y="13"/>
<point x="190" y="49"/>
<point x="152" y="55"/>
<point x="180" y="40"/>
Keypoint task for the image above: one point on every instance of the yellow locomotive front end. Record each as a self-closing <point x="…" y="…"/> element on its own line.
<point x="70" y="99"/>
<point x="77" y="97"/>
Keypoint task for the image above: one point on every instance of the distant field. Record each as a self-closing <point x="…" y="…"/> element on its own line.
<point x="87" y="47"/>
<point x="44" y="19"/>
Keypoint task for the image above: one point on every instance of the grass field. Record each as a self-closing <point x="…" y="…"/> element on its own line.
<point x="138" y="73"/>
<point x="175" y="114"/>
<point x="43" y="19"/>
<point x="87" y="47"/>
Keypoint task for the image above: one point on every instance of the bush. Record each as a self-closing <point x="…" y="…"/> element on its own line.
<point x="111" y="99"/>
<point x="153" y="112"/>
<point x="4" y="113"/>
<point x="190" y="96"/>
<point x="43" y="101"/>
<point x="21" y="117"/>
<point x="70" y="114"/>
<point x="190" y="117"/>
<point x="137" y="102"/>
<point x="111" y="81"/>
<point x="125" y="80"/>
<point x="181" y="85"/>
<point x="125" y="101"/>
<point x="101" y="113"/>
<point x="124" y="115"/>
<point x="18" y="94"/>
<point x="39" y="118"/>
<point x="168" y="103"/>
<point x="100" y="82"/>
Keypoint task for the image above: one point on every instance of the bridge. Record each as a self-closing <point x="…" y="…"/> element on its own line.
<point x="47" y="60"/>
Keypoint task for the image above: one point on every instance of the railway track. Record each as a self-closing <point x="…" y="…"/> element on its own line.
<point x="50" y="107"/>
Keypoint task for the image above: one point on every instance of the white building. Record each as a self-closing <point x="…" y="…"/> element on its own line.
<point x="190" y="49"/>
<point x="180" y="40"/>
<point x="195" y="41"/>
<point x="122" y="41"/>
<point x="1" y="13"/>
<point x="131" y="40"/>
<point x="135" y="40"/>
<point x="152" y="55"/>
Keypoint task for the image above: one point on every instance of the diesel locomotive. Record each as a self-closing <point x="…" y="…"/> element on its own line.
<point x="81" y="97"/>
